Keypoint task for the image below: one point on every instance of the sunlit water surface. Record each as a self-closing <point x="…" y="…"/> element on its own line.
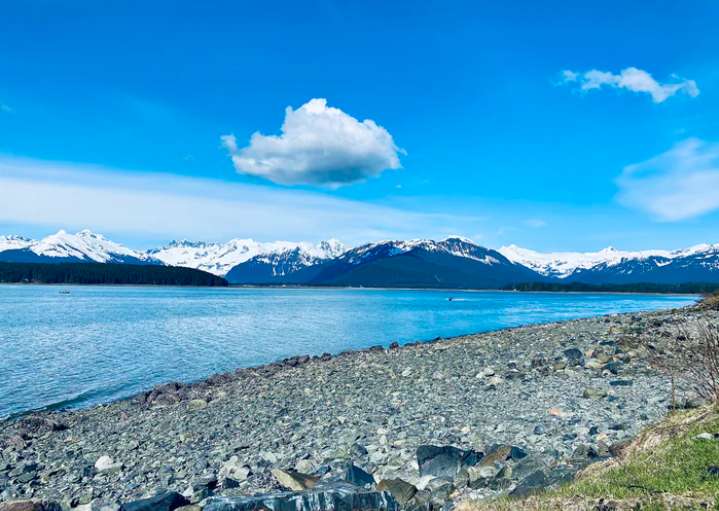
<point x="70" y="346"/>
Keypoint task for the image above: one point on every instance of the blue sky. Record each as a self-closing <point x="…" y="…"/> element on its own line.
<point x="112" y="113"/>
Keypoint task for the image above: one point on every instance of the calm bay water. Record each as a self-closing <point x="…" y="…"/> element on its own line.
<point x="70" y="346"/>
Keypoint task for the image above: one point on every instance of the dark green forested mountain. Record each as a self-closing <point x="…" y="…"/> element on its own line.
<point x="96" y="273"/>
<point x="638" y="287"/>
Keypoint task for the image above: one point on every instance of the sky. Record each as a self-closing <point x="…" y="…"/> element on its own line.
<point x="550" y="125"/>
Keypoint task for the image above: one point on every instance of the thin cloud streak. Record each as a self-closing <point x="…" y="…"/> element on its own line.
<point x="76" y="196"/>
<point x="678" y="184"/>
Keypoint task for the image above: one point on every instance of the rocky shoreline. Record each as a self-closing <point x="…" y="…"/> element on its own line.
<point x="419" y="426"/>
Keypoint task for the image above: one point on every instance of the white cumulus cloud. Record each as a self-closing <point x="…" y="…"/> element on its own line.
<point x="678" y="184"/>
<point x="319" y="145"/>
<point x="632" y="79"/>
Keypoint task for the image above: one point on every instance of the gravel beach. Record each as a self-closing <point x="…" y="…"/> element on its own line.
<point x="420" y="426"/>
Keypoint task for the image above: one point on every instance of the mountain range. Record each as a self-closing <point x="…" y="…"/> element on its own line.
<point x="450" y="263"/>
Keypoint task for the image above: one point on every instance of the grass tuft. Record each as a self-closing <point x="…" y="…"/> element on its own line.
<point x="666" y="467"/>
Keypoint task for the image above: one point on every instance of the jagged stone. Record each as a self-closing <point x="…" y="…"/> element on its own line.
<point x="336" y="496"/>
<point x="400" y="489"/>
<point x="355" y="475"/>
<point x="165" y="501"/>
<point x="535" y="481"/>
<point x="30" y="505"/>
<point x="574" y="357"/>
<point x="293" y="480"/>
<point x="444" y="461"/>
<point x="497" y="454"/>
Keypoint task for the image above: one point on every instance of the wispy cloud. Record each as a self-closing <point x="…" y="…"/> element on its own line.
<point x="6" y="109"/>
<point x="535" y="223"/>
<point x="678" y="184"/>
<point x="319" y="145"/>
<point x="632" y="79"/>
<point x="74" y="196"/>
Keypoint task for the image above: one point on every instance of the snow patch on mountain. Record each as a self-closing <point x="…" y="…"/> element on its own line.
<point x="563" y="264"/>
<point x="220" y="258"/>
<point x="457" y="246"/>
<point x="14" y="243"/>
<point x="83" y="246"/>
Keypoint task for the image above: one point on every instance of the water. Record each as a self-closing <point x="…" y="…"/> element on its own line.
<point x="71" y="346"/>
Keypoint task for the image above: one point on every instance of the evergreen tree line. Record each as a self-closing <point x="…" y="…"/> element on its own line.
<point x="97" y="273"/>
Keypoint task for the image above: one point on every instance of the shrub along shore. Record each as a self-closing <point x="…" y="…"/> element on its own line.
<point x="420" y="426"/>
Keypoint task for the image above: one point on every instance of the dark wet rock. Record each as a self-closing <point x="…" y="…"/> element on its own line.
<point x="401" y="490"/>
<point x="166" y="394"/>
<point x="357" y="476"/>
<point x="621" y="383"/>
<point x="444" y="461"/>
<point x="30" y="505"/>
<point x="534" y="482"/>
<point x="324" y="497"/>
<point x="614" y="366"/>
<point x="574" y="357"/>
<point x="526" y="466"/>
<point x="296" y="361"/>
<point x="38" y="425"/>
<point x="164" y="501"/>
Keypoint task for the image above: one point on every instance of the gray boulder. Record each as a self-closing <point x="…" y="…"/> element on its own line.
<point x="30" y="505"/>
<point x="574" y="357"/>
<point x="355" y="475"/>
<point x="534" y="482"/>
<point x="164" y="501"/>
<point x="445" y="461"/>
<point x="401" y="490"/>
<point x="326" y="496"/>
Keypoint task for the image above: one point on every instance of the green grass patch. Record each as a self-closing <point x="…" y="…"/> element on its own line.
<point x="666" y="467"/>
<point x="678" y="465"/>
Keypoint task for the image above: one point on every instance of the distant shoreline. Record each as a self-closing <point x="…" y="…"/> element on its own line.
<point x="362" y="288"/>
<point x="472" y="290"/>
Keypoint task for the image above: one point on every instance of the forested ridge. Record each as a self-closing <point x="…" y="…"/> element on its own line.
<point x="97" y="273"/>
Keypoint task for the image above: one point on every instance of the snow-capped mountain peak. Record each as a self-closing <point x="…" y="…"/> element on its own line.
<point x="457" y="246"/>
<point x="84" y="245"/>
<point x="220" y="258"/>
<point x="563" y="264"/>
<point x="13" y="242"/>
<point x="62" y="246"/>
